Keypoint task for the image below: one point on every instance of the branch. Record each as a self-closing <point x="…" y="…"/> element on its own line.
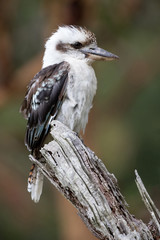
<point x="84" y="180"/>
<point x="154" y="212"/>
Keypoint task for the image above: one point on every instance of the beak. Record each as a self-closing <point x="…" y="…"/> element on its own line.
<point x="97" y="53"/>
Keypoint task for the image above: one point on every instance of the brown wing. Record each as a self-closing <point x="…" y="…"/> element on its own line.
<point x="42" y="101"/>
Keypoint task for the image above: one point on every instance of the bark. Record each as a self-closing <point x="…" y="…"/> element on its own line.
<point x="84" y="180"/>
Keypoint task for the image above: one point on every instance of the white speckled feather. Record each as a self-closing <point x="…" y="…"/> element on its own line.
<point x="82" y="85"/>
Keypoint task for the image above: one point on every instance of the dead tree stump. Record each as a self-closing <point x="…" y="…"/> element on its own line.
<point x="84" y="180"/>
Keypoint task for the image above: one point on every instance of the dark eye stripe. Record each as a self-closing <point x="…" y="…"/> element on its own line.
<point x="77" y="45"/>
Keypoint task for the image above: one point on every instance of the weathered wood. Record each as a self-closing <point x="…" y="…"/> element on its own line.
<point x="84" y="180"/>
<point x="154" y="225"/>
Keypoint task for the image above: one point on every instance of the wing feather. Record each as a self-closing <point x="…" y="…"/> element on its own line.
<point x="42" y="101"/>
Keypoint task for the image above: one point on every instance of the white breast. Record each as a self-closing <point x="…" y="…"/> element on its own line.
<point x="81" y="89"/>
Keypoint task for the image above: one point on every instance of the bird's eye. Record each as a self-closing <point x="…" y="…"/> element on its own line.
<point x="77" y="45"/>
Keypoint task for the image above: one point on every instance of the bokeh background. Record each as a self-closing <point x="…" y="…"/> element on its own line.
<point x="124" y="124"/>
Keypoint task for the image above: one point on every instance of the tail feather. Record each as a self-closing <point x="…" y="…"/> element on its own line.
<point x="35" y="183"/>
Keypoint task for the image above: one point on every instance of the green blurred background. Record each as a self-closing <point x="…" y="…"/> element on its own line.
<point x="124" y="124"/>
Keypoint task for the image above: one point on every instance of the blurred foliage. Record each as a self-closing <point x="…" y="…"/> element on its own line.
<point x="124" y="124"/>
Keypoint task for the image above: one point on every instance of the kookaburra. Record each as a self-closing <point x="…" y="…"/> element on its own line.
<point x="62" y="90"/>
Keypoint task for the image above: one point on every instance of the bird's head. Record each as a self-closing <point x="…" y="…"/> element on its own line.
<point x="71" y="43"/>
